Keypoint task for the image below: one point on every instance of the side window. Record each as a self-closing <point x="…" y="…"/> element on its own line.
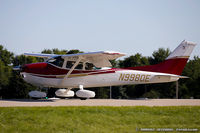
<point x="89" y="66"/>
<point x="71" y="63"/>
<point x="79" y="66"/>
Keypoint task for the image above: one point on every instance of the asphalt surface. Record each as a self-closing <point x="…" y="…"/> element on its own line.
<point x="99" y="102"/>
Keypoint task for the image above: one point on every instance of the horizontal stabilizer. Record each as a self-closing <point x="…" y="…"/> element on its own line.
<point x="168" y="78"/>
<point x="99" y="59"/>
<point x="175" y="76"/>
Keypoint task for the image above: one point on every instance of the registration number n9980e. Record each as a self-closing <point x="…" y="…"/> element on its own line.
<point x="134" y="77"/>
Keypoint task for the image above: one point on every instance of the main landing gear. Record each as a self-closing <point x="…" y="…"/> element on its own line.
<point x="65" y="93"/>
<point x="84" y="94"/>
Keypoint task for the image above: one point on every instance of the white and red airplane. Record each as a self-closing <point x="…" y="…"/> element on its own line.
<point x="92" y="69"/>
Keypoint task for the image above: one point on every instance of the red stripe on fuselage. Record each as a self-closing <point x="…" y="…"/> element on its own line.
<point x="46" y="69"/>
<point x="73" y="75"/>
<point x="171" y="66"/>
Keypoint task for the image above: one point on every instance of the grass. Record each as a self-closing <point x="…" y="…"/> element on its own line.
<point x="96" y="119"/>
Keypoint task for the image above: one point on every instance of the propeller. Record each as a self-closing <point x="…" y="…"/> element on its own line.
<point x="17" y="68"/>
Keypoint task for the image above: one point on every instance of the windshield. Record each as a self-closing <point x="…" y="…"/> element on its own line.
<point x="58" y="61"/>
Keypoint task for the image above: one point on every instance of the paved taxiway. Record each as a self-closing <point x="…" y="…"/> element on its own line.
<point x="100" y="102"/>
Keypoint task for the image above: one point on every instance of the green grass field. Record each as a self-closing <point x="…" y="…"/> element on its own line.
<point x="96" y="119"/>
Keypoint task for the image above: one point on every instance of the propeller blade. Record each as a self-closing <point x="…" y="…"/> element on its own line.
<point x="17" y="68"/>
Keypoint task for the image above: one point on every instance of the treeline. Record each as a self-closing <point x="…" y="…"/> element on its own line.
<point x="13" y="86"/>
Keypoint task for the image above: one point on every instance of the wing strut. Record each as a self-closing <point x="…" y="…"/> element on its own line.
<point x="71" y="70"/>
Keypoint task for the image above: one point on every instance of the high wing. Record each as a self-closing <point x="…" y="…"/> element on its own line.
<point x="40" y="55"/>
<point x="99" y="59"/>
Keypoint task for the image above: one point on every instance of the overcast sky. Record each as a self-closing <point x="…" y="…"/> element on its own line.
<point x="128" y="26"/>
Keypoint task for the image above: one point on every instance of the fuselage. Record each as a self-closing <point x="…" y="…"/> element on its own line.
<point x="48" y="75"/>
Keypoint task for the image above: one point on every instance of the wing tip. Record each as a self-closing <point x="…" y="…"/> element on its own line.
<point x="114" y="53"/>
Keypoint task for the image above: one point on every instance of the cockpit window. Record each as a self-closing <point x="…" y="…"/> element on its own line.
<point x="58" y="61"/>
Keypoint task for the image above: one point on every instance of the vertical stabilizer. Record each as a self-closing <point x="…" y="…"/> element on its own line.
<point x="182" y="51"/>
<point x="174" y="63"/>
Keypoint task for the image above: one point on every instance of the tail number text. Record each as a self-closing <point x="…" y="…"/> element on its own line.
<point x="134" y="77"/>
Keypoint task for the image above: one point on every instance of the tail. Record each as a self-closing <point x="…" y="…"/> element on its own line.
<point x="174" y="63"/>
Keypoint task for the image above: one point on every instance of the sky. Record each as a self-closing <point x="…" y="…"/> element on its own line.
<point x="127" y="26"/>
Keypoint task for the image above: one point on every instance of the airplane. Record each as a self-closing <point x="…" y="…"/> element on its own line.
<point x="93" y="69"/>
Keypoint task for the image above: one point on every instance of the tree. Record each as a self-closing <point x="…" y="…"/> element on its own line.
<point x="22" y="60"/>
<point x="191" y="87"/>
<point x="134" y="60"/>
<point x="5" y="56"/>
<point x="17" y="87"/>
<point x="5" y="70"/>
<point x="114" y="63"/>
<point x="74" y="51"/>
<point x="61" y="52"/>
<point x="158" y="56"/>
<point x="54" y="51"/>
<point x="47" y="51"/>
<point x="5" y="73"/>
<point x="11" y="83"/>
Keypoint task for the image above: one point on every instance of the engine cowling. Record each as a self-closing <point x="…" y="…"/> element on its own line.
<point x="64" y="93"/>
<point x="85" y="94"/>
